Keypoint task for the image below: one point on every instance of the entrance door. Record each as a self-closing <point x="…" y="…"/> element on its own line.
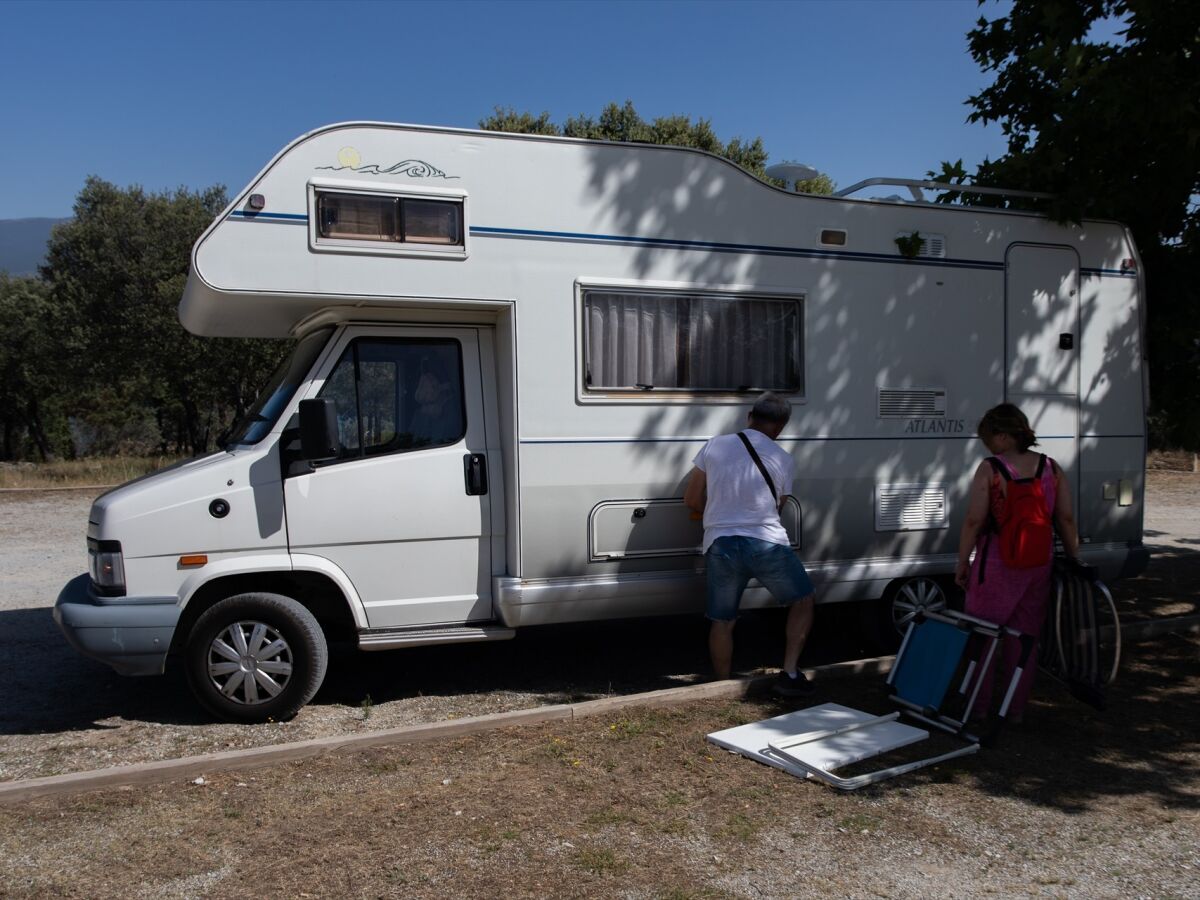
<point x="1042" y="347"/>
<point x="405" y="509"/>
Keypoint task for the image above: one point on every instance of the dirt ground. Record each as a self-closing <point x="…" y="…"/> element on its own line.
<point x="1074" y="803"/>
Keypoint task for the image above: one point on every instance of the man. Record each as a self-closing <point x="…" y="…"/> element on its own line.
<point x="740" y="497"/>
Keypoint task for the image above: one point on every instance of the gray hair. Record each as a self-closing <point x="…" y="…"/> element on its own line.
<point x="770" y="407"/>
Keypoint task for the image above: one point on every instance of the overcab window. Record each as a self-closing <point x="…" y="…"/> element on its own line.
<point x="644" y="341"/>
<point x="385" y="219"/>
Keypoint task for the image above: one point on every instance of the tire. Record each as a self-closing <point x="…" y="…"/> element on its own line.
<point x="888" y="620"/>
<point x="267" y="636"/>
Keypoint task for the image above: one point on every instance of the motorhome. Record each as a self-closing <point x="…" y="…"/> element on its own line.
<point x="508" y="349"/>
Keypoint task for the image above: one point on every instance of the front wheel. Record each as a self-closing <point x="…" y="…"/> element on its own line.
<point x="256" y="657"/>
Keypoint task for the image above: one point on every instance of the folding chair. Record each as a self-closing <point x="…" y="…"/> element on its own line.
<point x="1081" y="641"/>
<point x="935" y="680"/>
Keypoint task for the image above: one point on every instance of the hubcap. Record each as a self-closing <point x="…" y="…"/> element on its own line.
<point x="915" y="596"/>
<point x="249" y="662"/>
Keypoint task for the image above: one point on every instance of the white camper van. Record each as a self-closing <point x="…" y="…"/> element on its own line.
<point x="510" y="347"/>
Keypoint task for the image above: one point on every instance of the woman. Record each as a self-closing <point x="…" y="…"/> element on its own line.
<point x="997" y="591"/>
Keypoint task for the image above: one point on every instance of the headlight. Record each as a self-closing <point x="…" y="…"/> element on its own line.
<point x="107" y="567"/>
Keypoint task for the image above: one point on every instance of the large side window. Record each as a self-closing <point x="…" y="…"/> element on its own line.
<point x="693" y="342"/>
<point x="397" y="394"/>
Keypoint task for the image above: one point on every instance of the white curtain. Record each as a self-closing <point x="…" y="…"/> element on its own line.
<point x="693" y="342"/>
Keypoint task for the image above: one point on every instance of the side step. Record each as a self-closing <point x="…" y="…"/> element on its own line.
<point x="388" y="639"/>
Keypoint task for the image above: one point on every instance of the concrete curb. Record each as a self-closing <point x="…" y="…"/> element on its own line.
<point x="207" y="764"/>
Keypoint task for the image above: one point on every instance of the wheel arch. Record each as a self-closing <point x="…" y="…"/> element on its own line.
<point x="315" y="591"/>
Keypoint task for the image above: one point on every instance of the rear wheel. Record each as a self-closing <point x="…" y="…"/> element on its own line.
<point x="902" y="602"/>
<point x="256" y="657"/>
<point x="914" y="596"/>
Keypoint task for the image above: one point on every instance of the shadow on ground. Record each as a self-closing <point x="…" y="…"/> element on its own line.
<point x="1170" y="586"/>
<point x="46" y="687"/>
<point x="1066" y="754"/>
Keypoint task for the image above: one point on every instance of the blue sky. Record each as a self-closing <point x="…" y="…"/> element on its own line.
<point x="165" y="94"/>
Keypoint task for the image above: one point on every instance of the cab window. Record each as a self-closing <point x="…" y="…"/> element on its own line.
<point x="397" y="395"/>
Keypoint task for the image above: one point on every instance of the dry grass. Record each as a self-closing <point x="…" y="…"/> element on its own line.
<point x="640" y="805"/>
<point x="1172" y="460"/>
<point x="73" y="473"/>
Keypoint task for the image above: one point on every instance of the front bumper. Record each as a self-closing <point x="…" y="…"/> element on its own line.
<point x="131" y="635"/>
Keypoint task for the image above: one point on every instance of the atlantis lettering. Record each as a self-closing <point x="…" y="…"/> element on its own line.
<point x="935" y="426"/>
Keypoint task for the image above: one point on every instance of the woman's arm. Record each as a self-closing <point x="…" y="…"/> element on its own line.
<point x="1064" y="515"/>
<point x="977" y="513"/>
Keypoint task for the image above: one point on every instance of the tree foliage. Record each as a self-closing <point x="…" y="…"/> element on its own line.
<point x="93" y="354"/>
<point x="1111" y="128"/>
<point x="623" y="123"/>
<point x="31" y="378"/>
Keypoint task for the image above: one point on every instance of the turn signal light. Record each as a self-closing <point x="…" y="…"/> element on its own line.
<point x="195" y="559"/>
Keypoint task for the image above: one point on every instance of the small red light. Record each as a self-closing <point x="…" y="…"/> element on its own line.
<point x="1128" y="265"/>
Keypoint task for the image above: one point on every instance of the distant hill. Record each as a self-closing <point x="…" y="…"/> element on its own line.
<point x="23" y="244"/>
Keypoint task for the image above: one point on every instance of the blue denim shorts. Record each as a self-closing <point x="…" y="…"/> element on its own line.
<point x="731" y="563"/>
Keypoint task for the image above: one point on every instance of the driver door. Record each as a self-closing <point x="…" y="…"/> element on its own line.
<point x="405" y="509"/>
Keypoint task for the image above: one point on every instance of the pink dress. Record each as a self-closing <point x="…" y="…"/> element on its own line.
<point x="1013" y="597"/>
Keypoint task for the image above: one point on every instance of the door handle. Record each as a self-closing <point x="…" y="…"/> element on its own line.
<point x="475" y="470"/>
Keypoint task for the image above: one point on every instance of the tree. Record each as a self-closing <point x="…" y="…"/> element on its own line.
<point x="31" y="383"/>
<point x="1111" y="128"/>
<point x="116" y="272"/>
<point x="623" y="123"/>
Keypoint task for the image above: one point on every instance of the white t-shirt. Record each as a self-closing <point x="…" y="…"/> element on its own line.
<point x="739" y="501"/>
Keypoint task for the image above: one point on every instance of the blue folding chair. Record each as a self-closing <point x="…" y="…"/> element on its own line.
<point x="935" y="680"/>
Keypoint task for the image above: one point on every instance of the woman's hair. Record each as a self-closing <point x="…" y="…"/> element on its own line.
<point x="1007" y="418"/>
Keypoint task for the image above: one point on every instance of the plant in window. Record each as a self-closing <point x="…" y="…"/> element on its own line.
<point x="910" y="244"/>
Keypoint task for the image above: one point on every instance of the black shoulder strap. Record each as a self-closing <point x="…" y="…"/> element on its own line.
<point x="1003" y="469"/>
<point x="758" y="462"/>
<point x="1000" y="467"/>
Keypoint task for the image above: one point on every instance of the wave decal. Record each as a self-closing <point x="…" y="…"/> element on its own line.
<point x="348" y="158"/>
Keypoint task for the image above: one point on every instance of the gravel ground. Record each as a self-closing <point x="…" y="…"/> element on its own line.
<point x="61" y="713"/>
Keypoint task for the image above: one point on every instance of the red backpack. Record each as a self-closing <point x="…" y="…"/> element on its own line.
<point x="1026" y="535"/>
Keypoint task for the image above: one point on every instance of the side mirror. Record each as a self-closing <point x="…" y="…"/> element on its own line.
<point x="318" y="429"/>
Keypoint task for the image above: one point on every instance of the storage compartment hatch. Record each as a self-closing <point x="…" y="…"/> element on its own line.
<point x="636" y="529"/>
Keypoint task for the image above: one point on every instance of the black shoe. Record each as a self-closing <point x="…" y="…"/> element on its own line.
<point x="786" y="686"/>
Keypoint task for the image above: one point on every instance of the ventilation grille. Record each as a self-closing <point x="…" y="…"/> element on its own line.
<point x="910" y="507"/>
<point x="912" y="403"/>
<point x="933" y="248"/>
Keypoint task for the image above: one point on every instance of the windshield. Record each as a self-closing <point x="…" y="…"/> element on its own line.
<point x="261" y="416"/>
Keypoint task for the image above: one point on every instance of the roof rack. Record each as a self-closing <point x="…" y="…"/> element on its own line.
<point x="917" y="188"/>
